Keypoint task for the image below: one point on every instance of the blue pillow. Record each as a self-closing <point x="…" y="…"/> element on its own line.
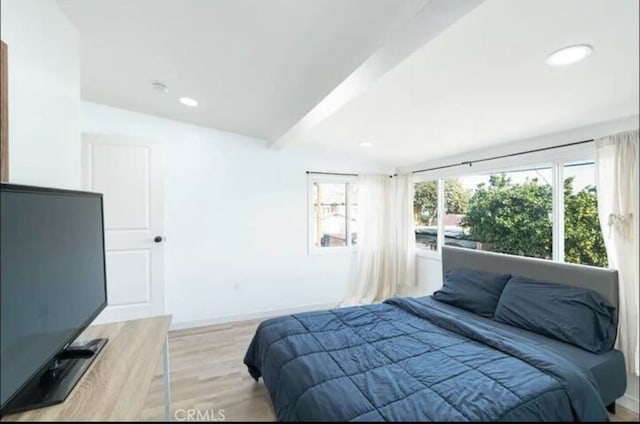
<point x="475" y="291"/>
<point x="581" y="317"/>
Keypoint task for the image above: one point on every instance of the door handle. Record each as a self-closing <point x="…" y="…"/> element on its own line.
<point x="158" y="239"/>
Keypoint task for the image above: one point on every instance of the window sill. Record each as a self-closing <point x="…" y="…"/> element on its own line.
<point x="428" y="254"/>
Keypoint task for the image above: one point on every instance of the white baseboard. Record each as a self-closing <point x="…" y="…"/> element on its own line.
<point x="271" y="313"/>
<point x="629" y="402"/>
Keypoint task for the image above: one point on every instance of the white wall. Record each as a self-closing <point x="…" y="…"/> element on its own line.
<point x="44" y="93"/>
<point x="235" y="220"/>
<point x="428" y="277"/>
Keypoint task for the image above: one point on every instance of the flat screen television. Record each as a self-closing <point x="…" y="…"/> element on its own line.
<point x="52" y="286"/>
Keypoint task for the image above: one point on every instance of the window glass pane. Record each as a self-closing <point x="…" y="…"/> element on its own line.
<point x="329" y="214"/>
<point x="353" y="199"/>
<point x="508" y="212"/>
<point x="456" y="203"/>
<point x="425" y="211"/>
<point x="583" y="242"/>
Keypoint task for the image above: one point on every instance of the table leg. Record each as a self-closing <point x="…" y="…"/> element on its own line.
<point x="167" y="380"/>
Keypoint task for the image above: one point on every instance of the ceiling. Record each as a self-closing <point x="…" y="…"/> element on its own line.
<point x="484" y="82"/>
<point x="441" y="76"/>
<point x="255" y="67"/>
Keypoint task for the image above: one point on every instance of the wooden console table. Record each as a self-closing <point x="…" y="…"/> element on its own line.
<point x="115" y="386"/>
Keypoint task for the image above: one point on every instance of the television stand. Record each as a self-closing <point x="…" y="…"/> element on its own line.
<point x="115" y="386"/>
<point x="59" y="378"/>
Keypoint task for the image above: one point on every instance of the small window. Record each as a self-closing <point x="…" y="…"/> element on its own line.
<point x="425" y="214"/>
<point x="583" y="242"/>
<point x="333" y="214"/>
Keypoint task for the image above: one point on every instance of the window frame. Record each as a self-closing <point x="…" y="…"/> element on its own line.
<point x="349" y="182"/>
<point x="592" y="159"/>
<point x="556" y="159"/>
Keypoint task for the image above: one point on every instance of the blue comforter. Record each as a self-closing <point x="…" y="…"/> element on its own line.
<point x="413" y="359"/>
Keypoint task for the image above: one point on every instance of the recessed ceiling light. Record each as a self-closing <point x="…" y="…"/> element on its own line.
<point x="188" y="101"/>
<point x="365" y="144"/>
<point x="569" y="55"/>
<point x="159" y="87"/>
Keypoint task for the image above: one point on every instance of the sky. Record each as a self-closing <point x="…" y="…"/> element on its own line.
<point x="584" y="174"/>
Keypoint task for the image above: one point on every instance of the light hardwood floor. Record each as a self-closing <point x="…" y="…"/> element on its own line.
<point x="207" y="374"/>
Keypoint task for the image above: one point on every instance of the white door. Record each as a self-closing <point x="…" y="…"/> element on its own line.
<point x="128" y="171"/>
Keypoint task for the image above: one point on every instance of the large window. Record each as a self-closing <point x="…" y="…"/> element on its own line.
<point x="333" y="214"/>
<point x="516" y="212"/>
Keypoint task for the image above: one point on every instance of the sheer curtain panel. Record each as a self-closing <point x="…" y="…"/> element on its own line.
<point x="386" y="240"/>
<point x="618" y="188"/>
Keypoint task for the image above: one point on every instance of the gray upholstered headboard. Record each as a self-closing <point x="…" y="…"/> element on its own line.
<point x="602" y="280"/>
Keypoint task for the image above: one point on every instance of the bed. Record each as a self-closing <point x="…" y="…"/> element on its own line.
<point x="418" y="359"/>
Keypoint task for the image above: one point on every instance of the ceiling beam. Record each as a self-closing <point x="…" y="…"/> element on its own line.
<point x="427" y="24"/>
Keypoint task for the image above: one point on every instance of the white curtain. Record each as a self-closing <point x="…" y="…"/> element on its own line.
<point x="403" y="237"/>
<point x="618" y="188"/>
<point x="386" y="242"/>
